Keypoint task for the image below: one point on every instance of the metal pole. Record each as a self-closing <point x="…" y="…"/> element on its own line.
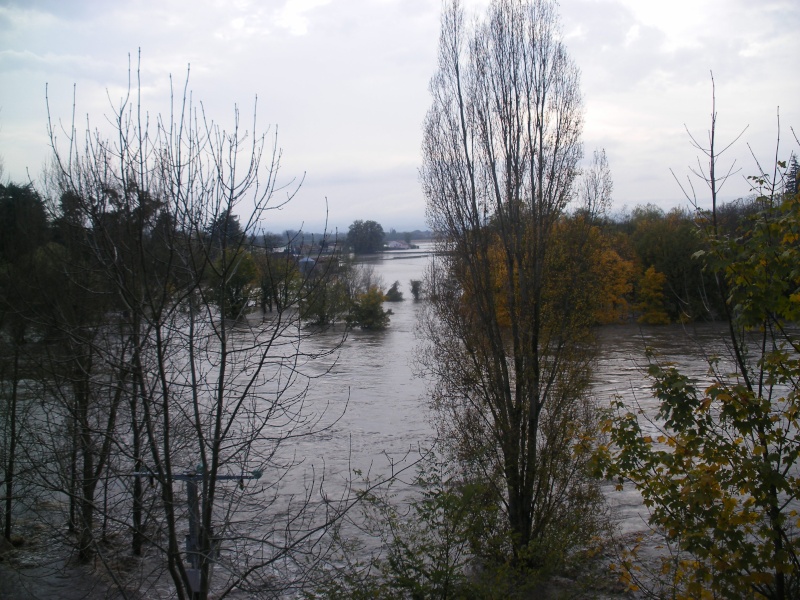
<point x="193" y="539"/>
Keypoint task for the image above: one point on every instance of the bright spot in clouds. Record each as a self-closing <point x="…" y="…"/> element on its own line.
<point x="294" y="15"/>
<point x="632" y="35"/>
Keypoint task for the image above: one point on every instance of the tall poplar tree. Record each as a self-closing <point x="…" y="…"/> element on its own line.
<point x="507" y="336"/>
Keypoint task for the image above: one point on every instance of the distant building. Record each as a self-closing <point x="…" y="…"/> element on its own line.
<point x="397" y="245"/>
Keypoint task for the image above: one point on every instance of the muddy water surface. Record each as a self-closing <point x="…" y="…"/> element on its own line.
<point x="386" y="412"/>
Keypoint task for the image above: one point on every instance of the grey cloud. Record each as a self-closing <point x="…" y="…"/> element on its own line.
<point x="351" y="93"/>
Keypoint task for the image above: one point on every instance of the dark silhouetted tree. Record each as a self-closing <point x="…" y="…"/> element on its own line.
<point x="365" y="237"/>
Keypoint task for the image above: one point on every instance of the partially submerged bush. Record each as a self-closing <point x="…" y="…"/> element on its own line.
<point x="394" y="294"/>
<point x="367" y="310"/>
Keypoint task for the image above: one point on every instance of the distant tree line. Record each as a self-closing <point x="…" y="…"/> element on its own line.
<point x="649" y="257"/>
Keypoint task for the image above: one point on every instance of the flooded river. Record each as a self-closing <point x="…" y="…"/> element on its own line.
<point x="381" y="406"/>
<point x="371" y="413"/>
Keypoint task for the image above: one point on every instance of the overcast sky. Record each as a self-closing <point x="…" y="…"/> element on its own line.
<point x="346" y="83"/>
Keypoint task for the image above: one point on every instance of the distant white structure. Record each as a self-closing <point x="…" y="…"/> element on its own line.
<point x="397" y="245"/>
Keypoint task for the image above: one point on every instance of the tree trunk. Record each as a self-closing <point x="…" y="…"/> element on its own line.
<point x="88" y="480"/>
<point x="12" y="445"/>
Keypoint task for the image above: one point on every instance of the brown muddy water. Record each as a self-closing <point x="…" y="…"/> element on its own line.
<point x="374" y="416"/>
<point x="387" y="415"/>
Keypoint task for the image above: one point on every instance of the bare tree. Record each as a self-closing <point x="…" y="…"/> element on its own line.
<point x="211" y="404"/>
<point x="23" y="230"/>
<point x="508" y="339"/>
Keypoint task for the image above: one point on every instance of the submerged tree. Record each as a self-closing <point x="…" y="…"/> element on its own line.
<point x="510" y="305"/>
<point x="366" y="310"/>
<point x="23" y="230"/>
<point x="278" y="279"/>
<point x="234" y="278"/>
<point x="393" y="294"/>
<point x="193" y="405"/>
<point x="416" y="288"/>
